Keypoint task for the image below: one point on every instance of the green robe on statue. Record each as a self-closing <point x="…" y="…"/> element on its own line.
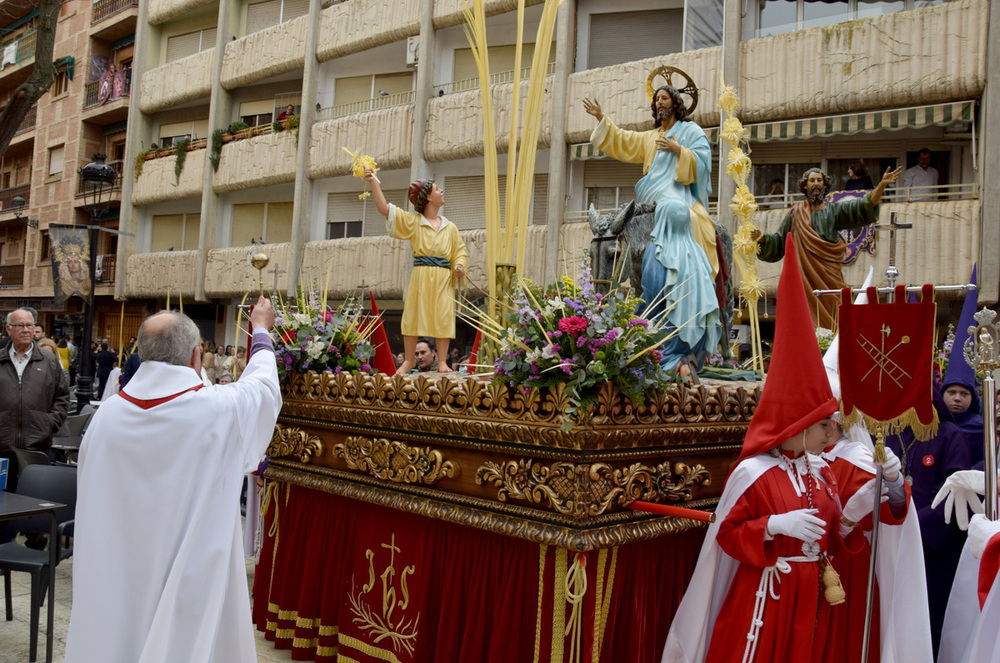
<point x="820" y="247"/>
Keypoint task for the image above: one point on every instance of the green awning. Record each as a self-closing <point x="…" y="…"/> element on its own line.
<point x="833" y="125"/>
<point x="854" y="123"/>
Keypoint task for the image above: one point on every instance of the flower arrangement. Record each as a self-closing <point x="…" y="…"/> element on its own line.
<point x="309" y="335"/>
<point x="824" y="337"/>
<point x="941" y="356"/>
<point x="570" y="334"/>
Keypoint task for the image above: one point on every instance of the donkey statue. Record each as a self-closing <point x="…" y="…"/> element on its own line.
<point x="620" y="240"/>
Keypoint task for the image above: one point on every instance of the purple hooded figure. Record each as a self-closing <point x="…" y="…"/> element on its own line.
<point x="959" y="387"/>
<point x="926" y="465"/>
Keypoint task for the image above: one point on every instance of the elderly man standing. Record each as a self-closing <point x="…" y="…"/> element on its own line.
<point x="34" y="394"/>
<point x="158" y="571"/>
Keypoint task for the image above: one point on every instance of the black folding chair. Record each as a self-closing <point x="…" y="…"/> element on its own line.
<point x="45" y="482"/>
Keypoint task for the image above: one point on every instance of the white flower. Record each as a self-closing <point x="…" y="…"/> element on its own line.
<point x="314" y="349"/>
<point x="301" y="318"/>
<point x="553" y="305"/>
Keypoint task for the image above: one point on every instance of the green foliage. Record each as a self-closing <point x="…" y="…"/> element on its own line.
<point x="216" y="154"/>
<point x="140" y="161"/>
<point x="180" y="149"/>
<point x="237" y="127"/>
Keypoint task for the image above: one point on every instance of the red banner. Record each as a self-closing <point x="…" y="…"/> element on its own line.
<point x="886" y="362"/>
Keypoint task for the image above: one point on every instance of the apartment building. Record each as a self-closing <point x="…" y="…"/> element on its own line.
<point x="84" y="113"/>
<point x="210" y="171"/>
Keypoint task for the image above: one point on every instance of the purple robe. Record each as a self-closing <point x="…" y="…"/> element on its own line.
<point x="928" y="464"/>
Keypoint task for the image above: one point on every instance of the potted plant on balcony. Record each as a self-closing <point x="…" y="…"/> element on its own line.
<point x="239" y="130"/>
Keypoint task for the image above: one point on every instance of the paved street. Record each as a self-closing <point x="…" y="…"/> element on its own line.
<point x="14" y="635"/>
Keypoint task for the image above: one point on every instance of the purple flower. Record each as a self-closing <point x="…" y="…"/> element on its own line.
<point x="638" y="322"/>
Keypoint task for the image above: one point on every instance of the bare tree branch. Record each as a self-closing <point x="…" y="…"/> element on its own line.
<point x="42" y="74"/>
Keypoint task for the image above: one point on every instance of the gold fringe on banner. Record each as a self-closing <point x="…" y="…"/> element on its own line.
<point x="541" y="593"/>
<point x="921" y="431"/>
<point x="603" y="602"/>
<point x="559" y="607"/>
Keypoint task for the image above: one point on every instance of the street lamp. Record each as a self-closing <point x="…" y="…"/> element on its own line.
<point x="98" y="181"/>
<point x="18" y="202"/>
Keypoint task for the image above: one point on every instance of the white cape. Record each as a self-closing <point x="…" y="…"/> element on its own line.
<point x="158" y="570"/>
<point x="691" y="631"/>
<point x="904" y="621"/>
<point x="970" y="635"/>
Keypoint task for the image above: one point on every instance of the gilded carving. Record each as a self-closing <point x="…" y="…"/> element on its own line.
<point x="584" y="490"/>
<point x="640" y="528"/>
<point x="394" y="461"/>
<point x="467" y="408"/>
<point x="294" y="442"/>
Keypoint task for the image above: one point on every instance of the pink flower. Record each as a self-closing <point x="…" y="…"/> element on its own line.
<point x="573" y="325"/>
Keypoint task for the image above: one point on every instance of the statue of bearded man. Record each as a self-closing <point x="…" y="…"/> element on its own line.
<point x="815" y="227"/>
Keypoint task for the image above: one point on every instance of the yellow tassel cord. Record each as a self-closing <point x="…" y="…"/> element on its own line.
<point x="272" y="494"/>
<point x="603" y="600"/>
<point x="576" y="589"/>
<point x="236" y="350"/>
<point x="744" y="207"/>
<point x="180" y="299"/>
<point x="168" y="299"/>
<point x="559" y="607"/>
<point x="506" y="240"/>
<point x="543" y="549"/>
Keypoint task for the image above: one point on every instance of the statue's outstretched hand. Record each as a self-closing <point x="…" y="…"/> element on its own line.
<point x="891" y="176"/>
<point x="593" y="108"/>
<point x="370" y="176"/>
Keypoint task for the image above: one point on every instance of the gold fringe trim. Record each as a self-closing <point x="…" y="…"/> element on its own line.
<point x="290" y="615"/>
<point x="327" y="652"/>
<point x="304" y="643"/>
<point x="603" y="603"/>
<point x="305" y="622"/>
<point x="602" y="558"/>
<point x="366" y="649"/>
<point x="559" y="607"/>
<point x="541" y="592"/>
<point x="921" y="431"/>
<point x="285" y="633"/>
<point x="327" y="630"/>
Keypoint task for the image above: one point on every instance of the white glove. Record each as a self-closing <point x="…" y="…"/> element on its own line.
<point x="802" y="524"/>
<point x="863" y="501"/>
<point x="961" y="491"/>
<point x="891" y="466"/>
<point x="981" y="531"/>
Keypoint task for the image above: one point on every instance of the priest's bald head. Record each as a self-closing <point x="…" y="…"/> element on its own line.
<point x="171" y="338"/>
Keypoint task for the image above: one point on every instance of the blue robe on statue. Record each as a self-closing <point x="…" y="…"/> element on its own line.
<point x="677" y="275"/>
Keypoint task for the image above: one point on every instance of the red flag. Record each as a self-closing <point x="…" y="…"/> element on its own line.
<point x="885" y="363"/>
<point x="383" y="361"/>
<point x="474" y="355"/>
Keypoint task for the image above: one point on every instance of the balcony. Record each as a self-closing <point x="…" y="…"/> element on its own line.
<point x="176" y="83"/>
<point x="11" y="277"/>
<point x="151" y="275"/>
<point x="116" y="189"/>
<point x="102" y="9"/>
<point x="28" y="123"/>
<point x="265" y="159"/>
<point x="382" y="134"/>
<point x="14" y="54"/>
<point x="386" y="101"/>
<point x="228" y="274"/>
<point x="159" y="183"/>
<point x="7" y="197"/>
<point x="270" y="52"/>
<point x="104" y="272"/>
<point x="498" y="78"/>
<point x="353" y="27"/>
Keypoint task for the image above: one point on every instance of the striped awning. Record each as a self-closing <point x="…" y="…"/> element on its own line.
<point x="854" y="123"/>
<point x="833" y="125"/>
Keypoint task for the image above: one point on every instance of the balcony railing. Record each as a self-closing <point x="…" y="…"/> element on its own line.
<point x="11" y="276"/>
<point x="117" y="86"/>
<point x="7" y="197"/>
<point x="104" y="271"/>
<point x="381" y="101"/>
<point x="28" y="123"/>
<point x="498" y="78"/>
<point x="17" y="50"/>
<point x="105" y="8"/>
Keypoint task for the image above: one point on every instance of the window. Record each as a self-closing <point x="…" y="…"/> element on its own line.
<point x="44" y="247"/>
<point x="355" y="94"/>
<point x="61" y="83"/>
<point x="271" y="222"/>
<point x="501" y="60"/>
<point x="779" y="16"/>
<point x="56" y="155"/>
<point x="704" y="24"/>
<point x="627" y="36"/>
<point x="610" y="183"/>
<point x="174" y="232"/>
<point x="176" y="131"/>
<point x="342" y="229"/>
<point x="347" y="216"/>
<point x="181" y="46"/>
<point x="261" y="15"/>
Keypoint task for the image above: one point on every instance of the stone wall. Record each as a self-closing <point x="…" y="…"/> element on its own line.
<point x="352" y="27"/>
<point x="384" y="135"/>
<point x="157" y="182"/>
<point x="228" y="272"/>
<point x="177" y="82"/>
<point x="255" y="162"/>
<point x="276" y="50"/>
<point x="151" y="274"/>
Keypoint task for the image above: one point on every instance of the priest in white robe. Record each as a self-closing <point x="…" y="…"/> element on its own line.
<point x="158" y="571"/>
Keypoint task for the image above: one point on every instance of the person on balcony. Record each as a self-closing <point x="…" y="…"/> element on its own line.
<point x="921" y="178"/>
<point x="439" y="258"/>
<point x="287" y="113"/>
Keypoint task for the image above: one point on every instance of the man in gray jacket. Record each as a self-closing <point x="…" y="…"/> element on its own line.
<point x="34" y="394"/>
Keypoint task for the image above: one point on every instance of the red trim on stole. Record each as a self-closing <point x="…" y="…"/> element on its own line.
<point x="988" y="567"/>
<point x="147" y="404"/>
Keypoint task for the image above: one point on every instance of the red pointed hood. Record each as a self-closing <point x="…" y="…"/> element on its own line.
<point x="797" y="393"/>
